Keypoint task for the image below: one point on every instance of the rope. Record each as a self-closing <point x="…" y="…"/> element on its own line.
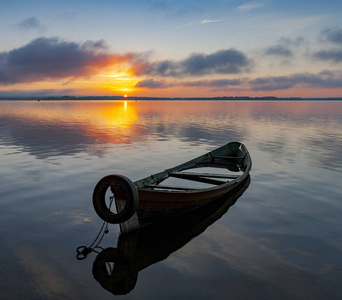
<point x="83" y="251"/>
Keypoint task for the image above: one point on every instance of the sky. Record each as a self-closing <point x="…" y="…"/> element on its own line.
<point x="188" y="48"/>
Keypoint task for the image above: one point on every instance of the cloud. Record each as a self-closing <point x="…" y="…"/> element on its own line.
<point x="214" y="83"/>
<point x="333" y="35"/>
<point x="30" y="23"/>
<point x="334" y="55"/>
<point x="248" y="6"/>
<point x="51" y="58"/>
<point x="152" y="84"/>
<point x="206" y="21"/>
<point x="201" y="22"/>
<point x="284" y="47"/>
<point x="221" y="62"/>
<point x="325" y="79"/>
<point x="279" y="50"/>
<point x="155" y="84"/>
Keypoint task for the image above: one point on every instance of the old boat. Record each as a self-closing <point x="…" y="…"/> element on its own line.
<point x="117" y="268"/>
<point x="136" y="203"/>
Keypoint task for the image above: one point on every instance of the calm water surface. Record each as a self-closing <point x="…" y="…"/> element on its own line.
<point x="281" y="240"/>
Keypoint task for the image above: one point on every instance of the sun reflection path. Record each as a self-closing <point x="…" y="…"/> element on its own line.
<point x="119" y="117"/>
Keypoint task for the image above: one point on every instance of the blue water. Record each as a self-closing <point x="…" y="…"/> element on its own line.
<point x="281" y="239"/>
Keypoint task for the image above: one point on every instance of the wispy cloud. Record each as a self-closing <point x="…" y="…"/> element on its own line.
<point x="333" y="35"/>
<point x="324" y="79"/>
<point x="200" y="22"/>
<point x="249" y="6"/>
<point x="285" y="47"/>
<point x="30" y="23"/>
<point x="279" y="50"/>
<point x="206" y="21"/>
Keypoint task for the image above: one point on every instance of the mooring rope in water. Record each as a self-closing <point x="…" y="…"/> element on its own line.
<point x="83" y="251"/>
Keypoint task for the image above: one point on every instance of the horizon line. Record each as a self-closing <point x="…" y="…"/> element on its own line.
<point x="92" y="97"/>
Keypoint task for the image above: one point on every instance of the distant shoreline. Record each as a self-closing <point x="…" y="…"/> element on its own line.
<point x="224" y="98"/>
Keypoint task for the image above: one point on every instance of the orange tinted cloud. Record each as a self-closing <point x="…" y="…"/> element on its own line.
<point x="51" y="58"/>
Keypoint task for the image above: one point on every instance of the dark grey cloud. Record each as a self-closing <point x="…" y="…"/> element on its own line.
<point x="215" y="83"/>
<point x="221" y="62"/>
<point x="285" y="47"/>
<point x="163" y="68"/>
<point x="333" y="35"/>
<point x="51" y="58"/>
<point x="152" y="84"/>
<point x="333" y="55"/>
<point x="228" y="61"/>
<point x="30" y="23"/>
<point x="279" y="50"/>
<point x="326" y="79"/>
<point x="158" y="84"/>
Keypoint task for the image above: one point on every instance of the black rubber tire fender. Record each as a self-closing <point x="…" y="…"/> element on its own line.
<point x="123" y="186"/>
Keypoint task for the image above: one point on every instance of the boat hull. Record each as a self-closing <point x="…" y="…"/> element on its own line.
<point x="154" y="200"/>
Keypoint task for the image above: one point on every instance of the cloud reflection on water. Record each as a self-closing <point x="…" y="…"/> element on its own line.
<point x="49" y="129"/>
<point x="275" y="269"/>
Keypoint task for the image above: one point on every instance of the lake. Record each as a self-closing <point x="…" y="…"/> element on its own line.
<point x="282" y="238"/>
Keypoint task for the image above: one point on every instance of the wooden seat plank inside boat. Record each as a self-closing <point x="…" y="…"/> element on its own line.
<point x="196" y="178"/>
<point x="211" y="175"/>
<point x="170" y="187"/>
<point x="229" y="157"/>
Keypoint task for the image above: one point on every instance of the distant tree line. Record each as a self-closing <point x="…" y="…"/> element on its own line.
<point x="271" y="98"/>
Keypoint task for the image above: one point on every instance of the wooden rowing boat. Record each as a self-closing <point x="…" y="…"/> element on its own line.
<point x="117" y="269"/>
<point x="151" y="198"/>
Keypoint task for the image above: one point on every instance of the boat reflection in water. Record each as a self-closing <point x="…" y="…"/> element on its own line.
<point x="116" y="269"/>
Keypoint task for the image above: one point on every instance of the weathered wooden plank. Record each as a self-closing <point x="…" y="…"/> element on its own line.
<point x="229" y="157"/>
<point x="205" y="175"/>
<point x="196" y="178"/>
<point x="170" y="187"/>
